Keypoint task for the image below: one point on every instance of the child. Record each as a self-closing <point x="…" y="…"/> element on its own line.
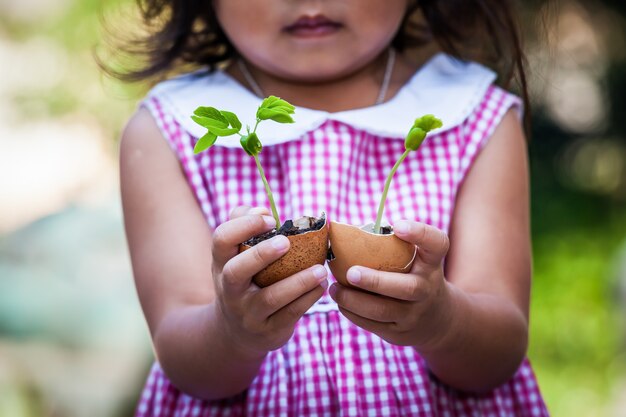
<point x="448" y="338"/>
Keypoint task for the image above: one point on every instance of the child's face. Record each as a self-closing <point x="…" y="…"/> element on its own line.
<point x="310" y="40"/>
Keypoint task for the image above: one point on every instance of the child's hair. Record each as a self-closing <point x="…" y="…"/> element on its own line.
<point x="185" y="34"/>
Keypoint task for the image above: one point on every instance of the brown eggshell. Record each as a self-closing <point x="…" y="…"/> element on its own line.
<point x="353" y="246"/>
<point x="306" y="250"/>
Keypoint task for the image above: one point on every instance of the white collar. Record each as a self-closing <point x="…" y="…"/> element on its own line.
<point x="446" y="87"/>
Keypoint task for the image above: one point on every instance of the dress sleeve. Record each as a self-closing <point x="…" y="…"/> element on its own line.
<point x="168" y="126"/>
<point x="481" y="124"/>
<point x="182" y="144"/>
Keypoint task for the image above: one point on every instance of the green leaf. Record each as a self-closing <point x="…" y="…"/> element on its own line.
<point x="209" y="122"/>
<point x="218" y="131"/>
<point x="414" y="139"/>
<point x="283" y="104"/>
<point x="279" y="116"/>
<point x="211" y="113"/>
<point x="428" y="123"/>
<point x="420" y="129"/>
<point x="232" y="118"/>
<point x="204" y="143"/>
<point x="275" y="104"/>
<point x="268" y="101"/>
<point x="251" y="144"/>
<point x="286" y="110"/>
<point x="214" y="126"/>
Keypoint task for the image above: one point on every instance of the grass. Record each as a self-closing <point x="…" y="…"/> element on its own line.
<point x="576" y="325"/>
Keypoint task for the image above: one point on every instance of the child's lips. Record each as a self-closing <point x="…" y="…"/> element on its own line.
<point x="313" y="26"/>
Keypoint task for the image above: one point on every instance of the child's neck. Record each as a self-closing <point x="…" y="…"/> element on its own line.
<point x="357" y="90"/>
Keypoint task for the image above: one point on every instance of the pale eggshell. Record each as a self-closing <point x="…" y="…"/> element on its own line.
<point x="306" y="250"/>
<point x="353" y="246"/>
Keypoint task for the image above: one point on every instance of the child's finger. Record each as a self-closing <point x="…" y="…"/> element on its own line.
<point x="243" y="210"/>
<point x="372" y="326"/>
<point x="407" y="287"/>
<point x="366" y="305"/>
<point x="239" y="270"/>
<point x="271" y="299"/>
<point x="432" y="243"/>
<point x="227" y="236"/>
<point x="292" y="312"/>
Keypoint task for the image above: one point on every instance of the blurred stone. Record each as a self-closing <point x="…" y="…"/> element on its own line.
<point x="68" y="276"/>
<point x="44" y="379"/>
<point x="70" y="325"/>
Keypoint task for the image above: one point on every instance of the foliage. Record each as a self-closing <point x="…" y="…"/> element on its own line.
<point x="576" y="327"/>
<point x="421" y="127"/>
<point x="226" y="123"/>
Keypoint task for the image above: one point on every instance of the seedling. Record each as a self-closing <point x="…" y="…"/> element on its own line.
<point x="225" y="123"/>
<point x="308" y="236"/>
<point x="413" y="140"/>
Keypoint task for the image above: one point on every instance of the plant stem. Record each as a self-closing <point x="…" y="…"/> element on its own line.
<point x="381" y="206"/>
<point x="268" y="191"/>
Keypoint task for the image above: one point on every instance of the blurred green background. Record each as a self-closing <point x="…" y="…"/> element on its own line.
<point x="72" y="337"/>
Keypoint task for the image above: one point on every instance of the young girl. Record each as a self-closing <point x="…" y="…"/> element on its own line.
<point x="448" y="338"/>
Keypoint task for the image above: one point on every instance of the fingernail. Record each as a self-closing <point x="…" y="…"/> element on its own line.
<point x="280" y="242"/>
<point x="354" y="275"/>
<point x="319" y="272"/>
<point x="258" y="210"/>
<point x="269" y="221"/>
<point x="401" y="227"/>
<point x="324" y="284"/>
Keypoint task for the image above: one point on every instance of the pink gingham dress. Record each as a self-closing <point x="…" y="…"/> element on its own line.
<point x="337" y="163"/>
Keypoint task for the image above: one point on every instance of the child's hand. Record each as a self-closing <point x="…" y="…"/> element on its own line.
<point x="404" y="309"/>
<point x="257" y="319"/>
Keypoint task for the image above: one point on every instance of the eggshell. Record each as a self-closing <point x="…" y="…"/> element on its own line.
<point x="306" y="250"/>
<point x="353" y="246"/>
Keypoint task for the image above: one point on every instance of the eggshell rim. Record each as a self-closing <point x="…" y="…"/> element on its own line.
<point x="326" y="224"/>
<point x="373" y="234"/>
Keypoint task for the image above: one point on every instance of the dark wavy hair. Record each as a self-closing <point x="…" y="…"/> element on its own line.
<point x="185" y="34"/>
